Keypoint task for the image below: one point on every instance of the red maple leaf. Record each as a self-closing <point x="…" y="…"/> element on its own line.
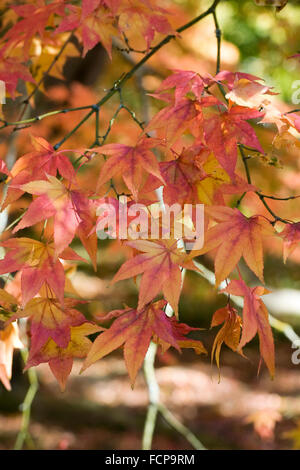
<point x="11" y="71"/>
<point x="38" y="265"/>
<point x="94" y="21"/>
<point x="183" y="172"/>
<point x="291" y="239"/>
<point x="130" y="162"/>
<point x="34" y="18"/>
<point x="68" y="207"/>
<point x="36" y="165"/>
<point x="223" y="130"/>
<point x="135" y="328"/>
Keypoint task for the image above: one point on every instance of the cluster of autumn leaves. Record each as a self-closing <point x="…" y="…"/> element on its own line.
<point x="198" y="134"/>
<point x="38" y="25"/>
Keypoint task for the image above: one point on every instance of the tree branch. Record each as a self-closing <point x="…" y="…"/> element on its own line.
<point x="24" y="434"/>
<point x="119" y="84"/>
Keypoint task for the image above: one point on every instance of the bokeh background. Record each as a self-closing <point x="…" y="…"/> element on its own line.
<point x="99" y="410"/>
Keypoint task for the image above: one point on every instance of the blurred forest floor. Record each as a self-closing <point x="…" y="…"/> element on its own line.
<point x="100" y="411"/>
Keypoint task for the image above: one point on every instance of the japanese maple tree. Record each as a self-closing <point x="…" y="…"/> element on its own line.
<point x="194" y="145"/>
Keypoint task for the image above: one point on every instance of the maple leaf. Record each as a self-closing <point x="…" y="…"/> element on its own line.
<point x="212" y="188"/>
<point x="130" y="162"/>
<point x="183" y="172"/>
<point x="180" y="330"/>
<point x="136" y="328"/>
<point x="159" y="263"/>
<point x="38" y="164"/>
<point x="68" y="207"/>
<point x="291" y="238"/>
<point x="230" y="79"/>
<point x="86" y="229"/>
<point x="11" y="71"/>
<point x="248" y="93"/>
<point x="235" y="236"/>
<point x="61" y="359"/>
<point x="9" y="340"/>
<point x="255" y="320"/>
<point x="144" y="17"/>
<point x="45" y="160"/>
<point x="95" y="22"/>
<point x="50" y="319"/>
<point x="175" y="119"/>
<point x="223" y="131"/>
<point x="33" y="20"/>
<point x="228" y="334"/>
<point x="38" y="264"/>
<point x="183" y="81"/>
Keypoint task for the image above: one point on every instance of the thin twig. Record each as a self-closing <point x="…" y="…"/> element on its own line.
<point x="24" y="434"/>
<point x="41" y="117"/>
<point x="218" y="33"/>
<point x="39" y="83"/>
<point x="180" y="428"/>
<point x="260" y="195"/>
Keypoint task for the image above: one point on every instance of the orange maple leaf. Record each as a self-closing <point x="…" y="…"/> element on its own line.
<point x="235" y="236"/>
<point x="255" y="320"/>
<point x="159" y="263"/>
<point x="50" y="319"/>
<point x="61" y="359"/>
<point x="228" y="334"/>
